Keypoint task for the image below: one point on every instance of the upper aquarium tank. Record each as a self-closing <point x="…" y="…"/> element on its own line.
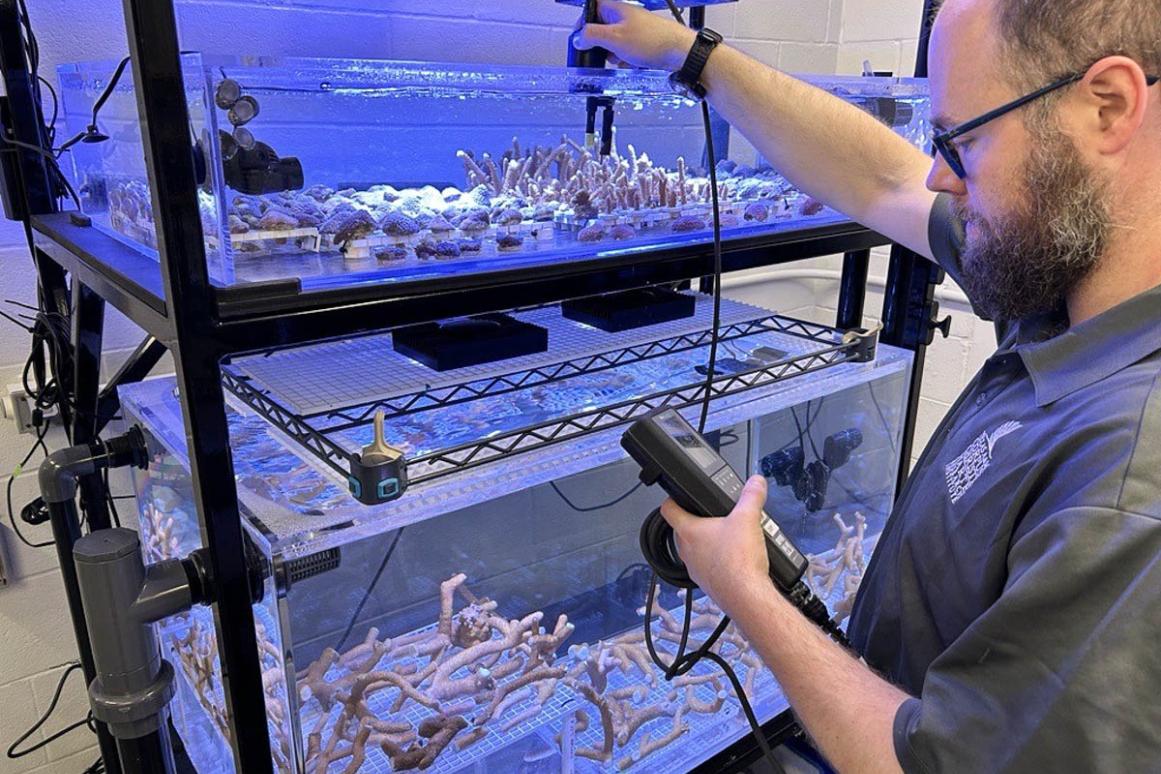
<point x="335" y="172"/>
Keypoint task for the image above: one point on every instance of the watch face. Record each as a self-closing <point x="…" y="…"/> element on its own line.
<point x="710" y="35"/>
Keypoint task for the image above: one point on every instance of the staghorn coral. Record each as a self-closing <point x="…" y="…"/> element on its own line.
<point x="477" y="675"/>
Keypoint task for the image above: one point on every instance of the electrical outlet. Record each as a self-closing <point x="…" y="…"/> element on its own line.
<point x="18" y="408"/>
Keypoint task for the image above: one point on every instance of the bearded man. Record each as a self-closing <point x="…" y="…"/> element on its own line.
<point x="1008" y="620"/>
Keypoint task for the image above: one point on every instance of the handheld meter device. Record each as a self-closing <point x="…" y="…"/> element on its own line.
<point x="672" y="453"/>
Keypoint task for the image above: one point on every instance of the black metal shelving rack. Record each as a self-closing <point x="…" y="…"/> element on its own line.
<point x="80" y="271"/>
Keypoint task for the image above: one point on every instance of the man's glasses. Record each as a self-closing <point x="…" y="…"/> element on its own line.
<point x="944" y="142"/>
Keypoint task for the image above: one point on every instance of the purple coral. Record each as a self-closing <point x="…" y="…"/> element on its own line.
<point x="509" y="242"/>
<point x="348" y="226"/>
<point x="511" y="217"/>
<point x="810" y="207"/>
<point x="623" y="231"/>
<point x="320" y="193"/>
<point x="473" y="225"/>
<point x="398" y="224"/>
<point x="426" y="249"/>
<point x="247" y="202"/>
<point x="277" y="220"/>
<point x="237" y="225"/>
<point x="307" y="211"/>
<point x="390" y="253"/>
<point x="756" y="211"/>
<point x="439" y="224"/>
<point x="593" y="233"/>
<point x="687" y="223"/>
<point x="470" y="245"/>
<point x="478" y="213"/>
<point x="339" y="207"/>
<point x="447" y="248"/>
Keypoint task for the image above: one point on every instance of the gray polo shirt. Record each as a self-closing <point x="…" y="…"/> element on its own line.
<point x="1017" y="589"/>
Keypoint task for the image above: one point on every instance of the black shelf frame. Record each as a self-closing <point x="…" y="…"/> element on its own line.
<point x="81" y="270"/>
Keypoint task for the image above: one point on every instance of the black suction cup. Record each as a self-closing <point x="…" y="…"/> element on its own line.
<point x="227" y="93"/>
<point x="245" y="139"/>
<point x="243" y="111"/>
<point x="229" y="145"/>
<point x="93" y="135"/>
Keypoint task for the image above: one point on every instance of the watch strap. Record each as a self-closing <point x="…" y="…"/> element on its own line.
<point x="690" y="73"/>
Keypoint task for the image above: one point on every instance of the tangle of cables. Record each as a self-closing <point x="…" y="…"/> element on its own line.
<point x="47" y="139"/>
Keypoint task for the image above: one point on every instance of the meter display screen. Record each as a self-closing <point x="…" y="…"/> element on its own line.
<point x="685" y="436"/>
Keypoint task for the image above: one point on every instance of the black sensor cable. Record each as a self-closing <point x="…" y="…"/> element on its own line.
<point x="657" y="538"/>
<point x="651" y="541"/>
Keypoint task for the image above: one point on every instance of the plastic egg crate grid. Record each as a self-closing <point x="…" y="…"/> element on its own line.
<point x="707" y="732"/>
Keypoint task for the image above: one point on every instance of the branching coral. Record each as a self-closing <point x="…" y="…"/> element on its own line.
<point x="476" y="673"/>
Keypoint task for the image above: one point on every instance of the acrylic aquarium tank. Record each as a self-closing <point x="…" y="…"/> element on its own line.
<point x="332" y="172"/>
<point x="491" y="619"/>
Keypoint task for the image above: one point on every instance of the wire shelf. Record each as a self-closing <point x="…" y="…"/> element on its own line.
<point x="296" y="402"/>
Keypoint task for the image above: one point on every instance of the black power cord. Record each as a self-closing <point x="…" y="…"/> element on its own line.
<point x="660" y="551"/>
<point x="370" y="588"/>
<point x="15" y="754"/>
<point x="91" y="133"/>
<point x="51" y="336"/>
<point x="39" y="443"/>
<point x="112" y="500"/>
<point x="657" y="538"/>
<point x="47" y="130"/>
<point x="715" y="333"/>
<point x="592" y="508"/>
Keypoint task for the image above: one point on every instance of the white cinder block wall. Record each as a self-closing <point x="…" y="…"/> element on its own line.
<point x="823" y="36"/>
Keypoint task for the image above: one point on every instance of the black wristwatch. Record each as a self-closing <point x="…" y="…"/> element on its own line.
<point x="687" y="80"/>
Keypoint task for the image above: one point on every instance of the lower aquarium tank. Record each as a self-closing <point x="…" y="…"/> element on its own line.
<point x="492" y="618"/>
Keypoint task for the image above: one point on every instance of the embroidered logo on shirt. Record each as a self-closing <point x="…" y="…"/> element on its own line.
<point x="963" y="471"/>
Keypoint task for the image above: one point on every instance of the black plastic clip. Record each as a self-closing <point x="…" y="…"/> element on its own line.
<point x="866" y="342"/>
